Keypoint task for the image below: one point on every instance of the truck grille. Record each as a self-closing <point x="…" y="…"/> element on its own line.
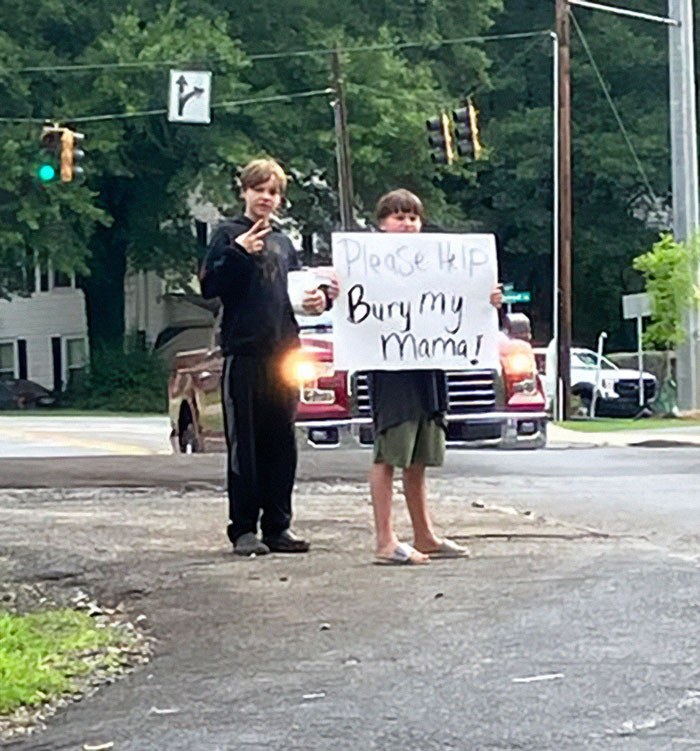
<point x="468" y="391"/>
<point x="629" y="389"/>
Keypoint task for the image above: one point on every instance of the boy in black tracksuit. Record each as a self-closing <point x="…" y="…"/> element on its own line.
<point x="246" y="266"/>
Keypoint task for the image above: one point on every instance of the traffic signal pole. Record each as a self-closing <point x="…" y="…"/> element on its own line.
<point x="564" y="316"/>
<point x="684" y="170"/>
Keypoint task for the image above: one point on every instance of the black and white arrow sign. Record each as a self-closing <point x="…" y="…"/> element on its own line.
<point x="190" y="96"/>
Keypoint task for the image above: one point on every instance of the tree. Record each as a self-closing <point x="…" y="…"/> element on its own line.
<point x="133" y="210"/>
<point x="670" y="272"/>
<point x="513" y="192"/>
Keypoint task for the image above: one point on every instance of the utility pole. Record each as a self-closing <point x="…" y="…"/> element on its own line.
<point x="342" y="146"/>
<point x="563" y="380"/>
<point x="684" y="161"/>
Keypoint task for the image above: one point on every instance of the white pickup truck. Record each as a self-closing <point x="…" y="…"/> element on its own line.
<point x="618" y="390"/>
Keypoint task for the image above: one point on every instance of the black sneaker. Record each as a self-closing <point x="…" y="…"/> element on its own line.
<point x="286" y="542"/>
<point x="248" y="544"/>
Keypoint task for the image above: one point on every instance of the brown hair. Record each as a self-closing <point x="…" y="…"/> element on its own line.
<point x="400" y="200"/>
<point x="260" y="170"/>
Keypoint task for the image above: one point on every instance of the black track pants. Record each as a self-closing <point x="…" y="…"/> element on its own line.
<point x="259" y="413"/>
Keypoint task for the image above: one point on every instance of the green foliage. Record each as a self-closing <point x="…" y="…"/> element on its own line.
<point x="42" y="653"/>
<point x="121" y="378"/>
<point x="670" y="272"/>
<point x="134" y="211"/>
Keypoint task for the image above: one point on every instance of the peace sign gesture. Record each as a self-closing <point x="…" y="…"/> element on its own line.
<point x="254" y="239"/>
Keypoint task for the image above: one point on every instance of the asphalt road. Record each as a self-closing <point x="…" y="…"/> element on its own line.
<point x="574" y="626"/>
<point x="622" y="490"/>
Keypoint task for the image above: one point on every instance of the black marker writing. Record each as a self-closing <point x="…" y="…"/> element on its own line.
<point x="359" y="310"/>
<point x="440" y="302"/>
<point x="408" y="347"/>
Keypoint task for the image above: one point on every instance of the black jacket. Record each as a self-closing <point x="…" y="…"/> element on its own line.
<point x="258" y="318"/>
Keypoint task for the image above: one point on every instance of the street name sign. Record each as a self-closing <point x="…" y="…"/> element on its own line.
<point x="511" y="297"/>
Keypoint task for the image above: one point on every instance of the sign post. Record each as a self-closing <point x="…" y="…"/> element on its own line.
<point x="637" y="306"/>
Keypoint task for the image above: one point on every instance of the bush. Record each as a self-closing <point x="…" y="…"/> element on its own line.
<point x="121" y="378"/>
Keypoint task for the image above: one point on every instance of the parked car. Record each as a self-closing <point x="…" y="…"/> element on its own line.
<point x="618" y="394"/>
<point x="19" y="393"/>
<point x="504" y="409"/>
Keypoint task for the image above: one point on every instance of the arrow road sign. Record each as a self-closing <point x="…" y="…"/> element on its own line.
<point x="190" y="93"/>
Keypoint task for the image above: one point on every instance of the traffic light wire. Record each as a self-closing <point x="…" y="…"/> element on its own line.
<point x="136" y="65"/>
<point x="164" y="111"/>
<point x="615" y="111"/>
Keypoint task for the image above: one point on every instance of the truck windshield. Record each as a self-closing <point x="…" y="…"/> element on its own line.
<point x="590" y="360"/>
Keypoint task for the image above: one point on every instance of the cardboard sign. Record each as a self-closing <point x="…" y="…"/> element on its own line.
<point x="415" y="301"/>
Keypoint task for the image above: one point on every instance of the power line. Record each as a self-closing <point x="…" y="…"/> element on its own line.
<point x="615" y="111"/>
<point x="163" y="111"/>
<point x="135" y="65"/>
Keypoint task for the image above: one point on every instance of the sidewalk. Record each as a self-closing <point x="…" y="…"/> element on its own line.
<point x="651" y="438"/>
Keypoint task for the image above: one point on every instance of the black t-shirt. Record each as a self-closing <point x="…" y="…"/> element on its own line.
<point x="401" y="395"/>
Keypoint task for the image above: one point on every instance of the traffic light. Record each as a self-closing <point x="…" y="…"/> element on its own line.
<point x="70" y="154"/>
<point x="50" y="160"/>
<point x="440" y="138"/>
<point x="467" y="129"/>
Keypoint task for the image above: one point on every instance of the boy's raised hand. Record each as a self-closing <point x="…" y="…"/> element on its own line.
<point x="254" y="239"/>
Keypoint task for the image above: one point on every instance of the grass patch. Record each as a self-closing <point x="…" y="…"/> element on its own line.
<point x="606" y="425"/>
<point x="43" y="653"/>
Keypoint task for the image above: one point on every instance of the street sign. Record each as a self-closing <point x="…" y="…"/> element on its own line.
<point x="190" y="94"/>
<point x="636" y="306"/>
<point x="512" y="297"/>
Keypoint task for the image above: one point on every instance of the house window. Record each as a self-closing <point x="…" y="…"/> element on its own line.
<point x="76" y="354"/>
<point x="7" y="360"/>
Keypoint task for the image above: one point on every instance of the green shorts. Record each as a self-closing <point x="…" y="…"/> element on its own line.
<point x="410" y="442"/>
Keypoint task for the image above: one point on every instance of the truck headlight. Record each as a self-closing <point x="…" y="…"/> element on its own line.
<point x="607" y="386"/>
<point x="300" y="368"/>
<point x="519" y="366"/>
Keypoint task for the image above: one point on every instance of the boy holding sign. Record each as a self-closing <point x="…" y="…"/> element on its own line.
<point x="408" y="411"/>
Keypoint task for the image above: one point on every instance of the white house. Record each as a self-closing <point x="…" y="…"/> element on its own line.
<point x="43" y="337"/>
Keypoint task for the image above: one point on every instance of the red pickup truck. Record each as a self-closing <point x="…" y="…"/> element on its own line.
<point x="504" y="409"/>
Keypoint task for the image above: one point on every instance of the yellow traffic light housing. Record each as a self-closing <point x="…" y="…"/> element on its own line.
<point x="70" y="154"/>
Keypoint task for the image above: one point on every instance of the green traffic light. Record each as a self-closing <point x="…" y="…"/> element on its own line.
<point x="46" y="172"/>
